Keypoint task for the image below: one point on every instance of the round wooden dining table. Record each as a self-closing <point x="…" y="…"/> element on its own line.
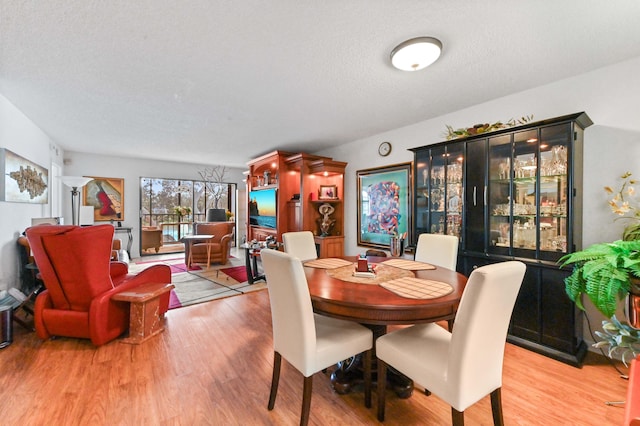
<point x="376" y="307"/>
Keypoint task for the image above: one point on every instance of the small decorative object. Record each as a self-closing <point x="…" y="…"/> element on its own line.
<point x="452" y="133"/>
<point x="625" y="204"/>
<point x="384" y="149"/>
<point x="328" y="192"/>
<point x="326" y="223"/>
<point x="363" y="265"/>
<point x="267" y="175"/>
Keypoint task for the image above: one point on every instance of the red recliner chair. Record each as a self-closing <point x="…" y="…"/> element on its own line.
<point x="76" y="268"/>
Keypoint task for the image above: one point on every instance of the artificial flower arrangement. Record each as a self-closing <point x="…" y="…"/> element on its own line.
<point x="625" y="204"/>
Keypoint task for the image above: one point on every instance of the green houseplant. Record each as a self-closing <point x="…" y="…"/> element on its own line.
<point x="604" y="272"/>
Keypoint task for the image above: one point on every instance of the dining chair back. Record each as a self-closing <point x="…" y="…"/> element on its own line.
<point x="308" y="341"/>
<point x="438" y="249"/>
<point x="464" y="365"/>
<point x="301" y="244"/>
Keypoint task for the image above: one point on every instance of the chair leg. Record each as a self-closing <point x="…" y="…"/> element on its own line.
<point x="496" y="407"/>
<point x="382" y="388"/>
<point x="306" y="400"/>
<point x="367" y="378"/>
<point x="457" y="417"/>
<point x="275" y="378"/>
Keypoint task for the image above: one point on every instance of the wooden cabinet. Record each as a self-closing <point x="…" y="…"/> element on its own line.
<point x="330" y="246"/>
<point x="520" y="195"/>
<point x="308" y="188"/>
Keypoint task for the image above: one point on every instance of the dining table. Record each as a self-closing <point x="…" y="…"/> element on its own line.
<point x="370" y="299"/>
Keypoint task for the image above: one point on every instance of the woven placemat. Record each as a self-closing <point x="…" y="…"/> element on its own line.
<point x="416" y="288"/>
<point x="411" y="265"/>
<point x="327" y="263"/>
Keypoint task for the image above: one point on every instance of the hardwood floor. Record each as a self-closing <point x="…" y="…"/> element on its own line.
<point x="212" y="366"/>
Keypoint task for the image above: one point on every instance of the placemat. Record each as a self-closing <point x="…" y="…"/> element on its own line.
<point x="383" y="273"/>
<point x="327" y="263"/>
<point x="411" y="265"/>
<point x="416" y="288"/>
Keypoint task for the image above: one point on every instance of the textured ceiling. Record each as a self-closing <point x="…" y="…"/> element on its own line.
<point x="221" y="82"/>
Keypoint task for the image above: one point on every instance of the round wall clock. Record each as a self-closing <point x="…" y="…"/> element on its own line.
<point x="384" y="149"/>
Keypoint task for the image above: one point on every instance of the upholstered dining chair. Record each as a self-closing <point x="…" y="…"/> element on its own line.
<point x="464" y="365"/>
<point x="80" y="278"/>
<point x="438" y="249"/>
<point x="308" y="341"/>
<point x="300" y="244"/>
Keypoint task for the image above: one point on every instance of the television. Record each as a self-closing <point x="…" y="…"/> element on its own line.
<point x="262" y="208"/>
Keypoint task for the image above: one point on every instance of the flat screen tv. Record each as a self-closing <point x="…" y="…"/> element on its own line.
<point x="262" y="208"/>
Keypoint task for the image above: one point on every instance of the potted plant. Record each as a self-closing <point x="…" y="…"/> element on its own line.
<point x="604" y="272"/>
<point x="610" y="272"/>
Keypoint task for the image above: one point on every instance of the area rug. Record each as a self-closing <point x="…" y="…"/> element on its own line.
<point x="201" y="284"/>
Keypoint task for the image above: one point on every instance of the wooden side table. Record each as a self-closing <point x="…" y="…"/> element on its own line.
<point x="145" y="319"/>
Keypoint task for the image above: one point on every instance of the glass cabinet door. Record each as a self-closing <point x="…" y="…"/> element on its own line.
<point x="421" y="207"/>
<point x="554" y="190"/>
<point x="499" y="194"/>
<point x="439" y="191"/>
<point x="524" y="191"/>
<point x="454" y="195"/>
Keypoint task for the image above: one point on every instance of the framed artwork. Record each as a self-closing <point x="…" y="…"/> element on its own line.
<point x="22" y="180"/>
<point x="106" y="196"/>
<point x="384" y="204"/>
<point x="328" y="192"/>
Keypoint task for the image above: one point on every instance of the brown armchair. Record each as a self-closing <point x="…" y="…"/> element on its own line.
<point x="151" y="238"/>
<point x="220" y="244"/>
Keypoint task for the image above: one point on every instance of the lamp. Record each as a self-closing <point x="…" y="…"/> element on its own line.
<point x="416" y="53"/>
<point x="75" y="182"/>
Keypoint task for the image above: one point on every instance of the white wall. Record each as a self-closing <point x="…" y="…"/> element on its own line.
<point x="612" y="145"/>
<point x="132" y="169"/>
<point x="19" y="135"/>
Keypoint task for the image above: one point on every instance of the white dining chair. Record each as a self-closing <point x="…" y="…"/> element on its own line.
<point x="438" y="249"/>
<point x="464" y="365"/>
<point x="308" y="341"/>
<point x="301" y="244"/>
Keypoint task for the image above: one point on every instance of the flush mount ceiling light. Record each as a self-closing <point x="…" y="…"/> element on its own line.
<point x="416" y="53"/>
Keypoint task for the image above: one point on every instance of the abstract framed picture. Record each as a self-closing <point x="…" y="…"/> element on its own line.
<point x="23" y="181"/>
<point x="106" y="196"/>
<point x="384" y="204"/>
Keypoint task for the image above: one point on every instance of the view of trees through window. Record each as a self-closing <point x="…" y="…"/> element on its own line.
<point x="174" y="204"/>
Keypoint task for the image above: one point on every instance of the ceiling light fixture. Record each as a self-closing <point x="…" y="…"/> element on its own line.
<point x="416" y="53"/>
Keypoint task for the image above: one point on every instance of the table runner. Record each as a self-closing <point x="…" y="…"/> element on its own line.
<point x="411" y="265"/>
<point x="383" y="273"/>
<point x="417" y="288"/>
